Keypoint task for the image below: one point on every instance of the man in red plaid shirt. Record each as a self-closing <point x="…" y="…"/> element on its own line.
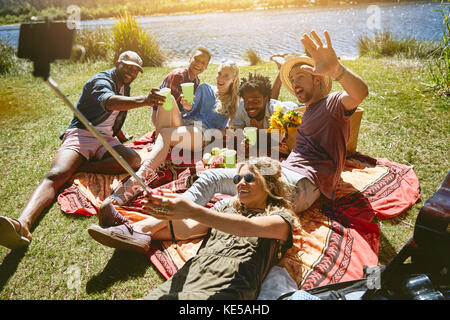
<point x="198" y="62"/>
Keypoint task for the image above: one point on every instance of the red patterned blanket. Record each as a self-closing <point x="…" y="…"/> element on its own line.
<point x="333" y="240"/>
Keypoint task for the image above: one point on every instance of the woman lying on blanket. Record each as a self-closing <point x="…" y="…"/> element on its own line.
<point x="246" y="235"/>
<point x="212" y="108"/>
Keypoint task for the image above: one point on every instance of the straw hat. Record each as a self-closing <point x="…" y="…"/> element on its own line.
<point x="293" y="59"/>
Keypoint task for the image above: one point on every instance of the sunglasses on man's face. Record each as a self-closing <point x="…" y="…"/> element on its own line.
<point x="249" y="177"/>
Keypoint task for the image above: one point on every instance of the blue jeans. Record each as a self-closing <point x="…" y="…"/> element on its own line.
<point x="221" y="181"/>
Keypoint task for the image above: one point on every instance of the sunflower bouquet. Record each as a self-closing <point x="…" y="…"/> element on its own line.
<point x="284" y="120"/>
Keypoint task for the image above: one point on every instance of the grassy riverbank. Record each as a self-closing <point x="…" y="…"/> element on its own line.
<point x="403" y="122"/>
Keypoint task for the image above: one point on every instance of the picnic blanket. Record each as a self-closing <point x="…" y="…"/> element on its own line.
<point x="333" y="240"/>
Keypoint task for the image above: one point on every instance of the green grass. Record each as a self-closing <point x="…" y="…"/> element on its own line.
<point x="402" y="122"/>
<point x="9" y="63"/>
<point x="439" y="69"/>
<point x="384" y="44"/>
<point x="129" y="35"/>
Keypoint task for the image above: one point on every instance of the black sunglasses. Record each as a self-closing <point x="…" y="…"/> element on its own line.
<point x="249" y="177"/>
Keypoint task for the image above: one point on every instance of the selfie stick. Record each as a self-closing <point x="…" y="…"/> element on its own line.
<point x="43" y="43"/>
<point x="96" y="134"/>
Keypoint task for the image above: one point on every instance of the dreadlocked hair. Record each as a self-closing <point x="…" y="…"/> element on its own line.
<point x="256" y="82"/>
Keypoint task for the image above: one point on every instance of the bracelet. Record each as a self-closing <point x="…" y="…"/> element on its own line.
<point x="172" y="233"/>
<point x="339" y="77"/>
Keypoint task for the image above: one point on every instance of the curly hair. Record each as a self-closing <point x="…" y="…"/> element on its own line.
<point x="256" y="82"/>
<point x="269" y="171"/>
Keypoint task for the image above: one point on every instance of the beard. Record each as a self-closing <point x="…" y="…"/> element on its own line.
<point x="304" y="96"/>
<point x="123" y="78"/>
<point x="259" y="116"/>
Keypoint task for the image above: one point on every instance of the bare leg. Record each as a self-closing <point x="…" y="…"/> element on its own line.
<point x="187" y="138"/>
<point x="167" y="118"/>
<point x="109" y="165"/>
<point x="153" y="226"/>
<point x="160" y="230"/>
<point x="63" y="166"/>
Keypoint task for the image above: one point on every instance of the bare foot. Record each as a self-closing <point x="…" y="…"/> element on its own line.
<point x="24" y="231"/>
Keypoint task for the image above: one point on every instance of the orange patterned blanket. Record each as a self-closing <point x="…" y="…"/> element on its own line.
<point x="333" y="240"/>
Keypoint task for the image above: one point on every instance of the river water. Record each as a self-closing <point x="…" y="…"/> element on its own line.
<point x="229" y="35"/>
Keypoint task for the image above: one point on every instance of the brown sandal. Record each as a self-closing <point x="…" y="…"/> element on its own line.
<point x="9" y="237"/>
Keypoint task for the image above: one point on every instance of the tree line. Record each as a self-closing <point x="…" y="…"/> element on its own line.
<point x="107" y="8"/>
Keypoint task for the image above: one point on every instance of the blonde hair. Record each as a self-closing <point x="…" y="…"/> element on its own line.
<point x="227" y="104"/>
<point x="268" y="170"/>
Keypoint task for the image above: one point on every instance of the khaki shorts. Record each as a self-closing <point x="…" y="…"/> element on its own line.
<point x="306" y="193"/>
<point x="84" y="142"/>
